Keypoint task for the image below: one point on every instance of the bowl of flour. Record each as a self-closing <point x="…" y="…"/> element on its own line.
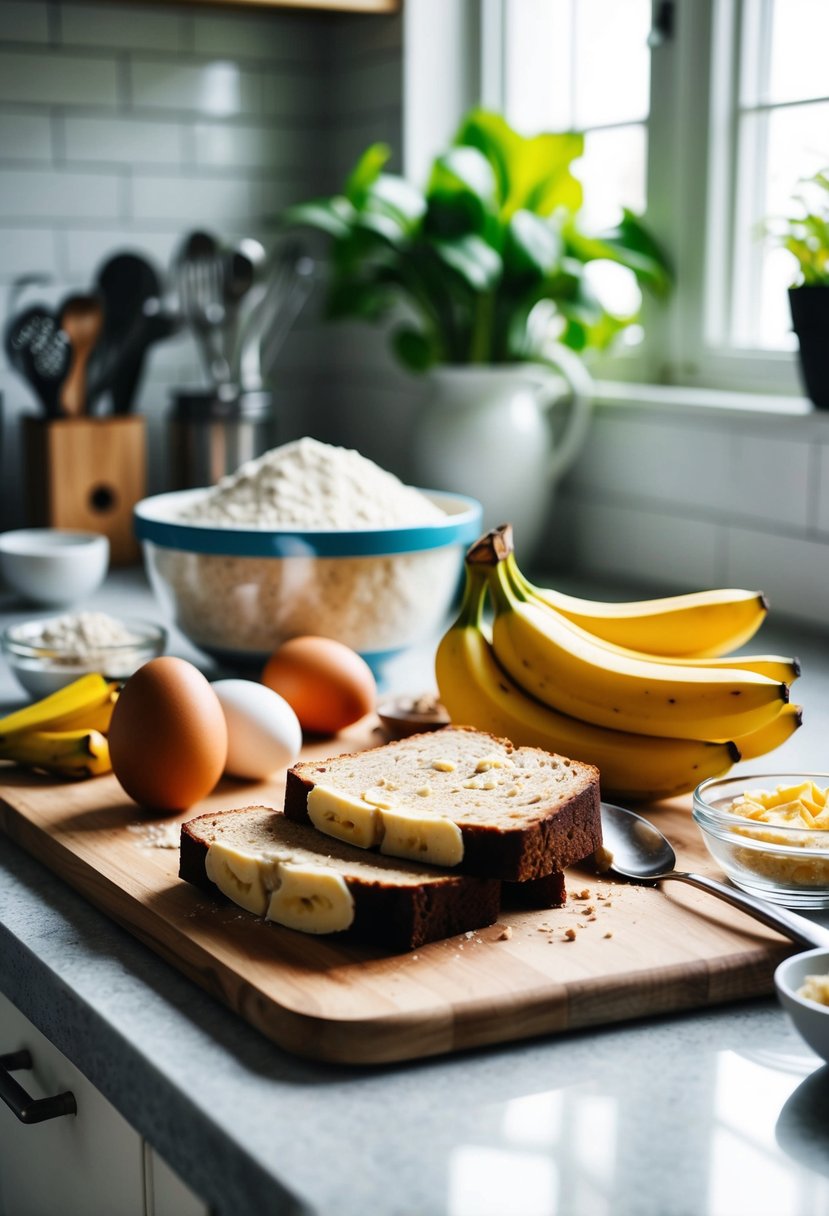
<point x="306" y="539"/>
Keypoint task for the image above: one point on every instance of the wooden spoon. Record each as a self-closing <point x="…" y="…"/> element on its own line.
<point x="81" y="319"/>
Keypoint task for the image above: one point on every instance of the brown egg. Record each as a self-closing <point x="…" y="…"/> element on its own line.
<point x="326" y="683"/>
<point x="168" y="738"/>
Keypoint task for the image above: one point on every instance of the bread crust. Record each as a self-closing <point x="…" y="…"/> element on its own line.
<point x="552" y="840"/>
<point x="398" y="918"/>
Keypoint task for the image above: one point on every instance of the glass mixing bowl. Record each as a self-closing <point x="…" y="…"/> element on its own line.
<point x="237" y="592"/>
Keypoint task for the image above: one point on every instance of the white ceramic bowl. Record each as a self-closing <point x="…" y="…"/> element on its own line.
<point x="238" y="592"/>
<point x="810" y="1018"/>
<point x="783" y="864"/>
<point x="43" y="668"/>
<point x="53" y="566"/>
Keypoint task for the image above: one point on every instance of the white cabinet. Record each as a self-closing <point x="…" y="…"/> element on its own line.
<point x="92" y="1163"/>
<point x="166" y="1193"/>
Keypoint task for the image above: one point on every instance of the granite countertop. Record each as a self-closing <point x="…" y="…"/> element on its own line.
<point x="721" y="1112"/>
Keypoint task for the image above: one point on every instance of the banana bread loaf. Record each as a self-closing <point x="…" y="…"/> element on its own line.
<point x="291" y="874"/>
<point x="458" y="798"/>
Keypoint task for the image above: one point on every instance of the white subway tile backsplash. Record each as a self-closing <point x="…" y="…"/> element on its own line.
<point x="83" y="250"/>
<point x="55" y="194"/>
<point x="25" y="136"/>
<point x="57" y="78"/>
<point x="193" y="201"/>
<point x="369" y="85"/>
<point x="631" y="544"/>
<point x="253" y="146"/>
<point x="770" y="480"/>
<point x="792" y="571"/>
<point x="122" y="140"/>
<point x="661" y="461"/>
<point x="125" y="25"/>
<point x="292" y="94"/>
<point x="758" y="517"/>
<point x="24" y="21"/>
<point x="276" y="37"/>
<point x="271" y="194"/>
<point x="221" y="88"/>
<point x="27" y="251"/>
<point x="362" y="131"/>
<point x="370" y="35"/>
<point x="125" y="125"/>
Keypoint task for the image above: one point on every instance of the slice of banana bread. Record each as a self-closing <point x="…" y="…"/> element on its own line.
<point x="458" y="798"/>
<point x="290" y="873"/>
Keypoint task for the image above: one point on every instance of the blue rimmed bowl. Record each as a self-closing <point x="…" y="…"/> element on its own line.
<point x="237" y="593"/>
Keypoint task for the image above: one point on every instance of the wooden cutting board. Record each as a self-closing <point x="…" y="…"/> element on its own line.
<point x="614" y="952"/>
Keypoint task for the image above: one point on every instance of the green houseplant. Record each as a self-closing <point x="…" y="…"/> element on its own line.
<point x="481" y="280"/>
<point x="805" y="234"/>
<point x="473" y="268"/>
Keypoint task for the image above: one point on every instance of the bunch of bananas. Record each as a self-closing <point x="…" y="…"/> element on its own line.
<point x="65" y="733"/>
<point x="638" y="689"/>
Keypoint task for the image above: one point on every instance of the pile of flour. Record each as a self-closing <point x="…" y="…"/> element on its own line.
<point x="81" y="636"/>
<point x="308" y="484"/>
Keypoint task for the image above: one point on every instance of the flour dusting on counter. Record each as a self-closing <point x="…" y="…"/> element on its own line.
<point x="156" y="835"/>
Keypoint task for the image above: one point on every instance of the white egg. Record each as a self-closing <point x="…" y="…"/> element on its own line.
<point x="263" y="732"/>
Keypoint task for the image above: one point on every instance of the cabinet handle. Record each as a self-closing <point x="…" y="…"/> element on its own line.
<point x="26" y="1108"/>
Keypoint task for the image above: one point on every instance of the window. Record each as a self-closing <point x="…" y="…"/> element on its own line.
<point x="705" y="112"/>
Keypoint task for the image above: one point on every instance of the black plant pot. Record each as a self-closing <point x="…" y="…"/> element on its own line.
<point x="810" y="318"/>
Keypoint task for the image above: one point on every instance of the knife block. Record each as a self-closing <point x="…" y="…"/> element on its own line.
<point x="87" y="474"/>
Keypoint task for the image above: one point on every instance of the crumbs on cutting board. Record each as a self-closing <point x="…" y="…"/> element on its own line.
<point x="585" y="906"/>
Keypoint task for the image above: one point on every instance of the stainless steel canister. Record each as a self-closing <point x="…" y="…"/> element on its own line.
<point x="211" y="436"/>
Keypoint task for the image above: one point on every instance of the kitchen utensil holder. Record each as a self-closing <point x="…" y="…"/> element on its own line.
<point x="211" y="436"/>
<point x="87" y="474"/>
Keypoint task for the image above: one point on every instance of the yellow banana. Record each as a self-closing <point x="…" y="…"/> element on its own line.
<point x="74" y="753"/>
<point x="767" y="738"/>
<point x="80" y="697"/>
<point x="574" y="672"/>
<point x="96" y="717"/>
<point x="775" y="667"/>
<point x="477" y="692"/>
<point x="697" y="625"/>
<point x="772" y="666"/>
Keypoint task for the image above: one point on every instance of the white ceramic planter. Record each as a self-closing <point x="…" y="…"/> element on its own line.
<point x="492" y="432"/>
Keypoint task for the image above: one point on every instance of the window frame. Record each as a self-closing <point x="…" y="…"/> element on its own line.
<point x="702" y="59"/>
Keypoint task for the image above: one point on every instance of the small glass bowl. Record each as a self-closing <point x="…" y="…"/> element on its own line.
<point x="782" y="864"/>
<point x="42" y="669"/>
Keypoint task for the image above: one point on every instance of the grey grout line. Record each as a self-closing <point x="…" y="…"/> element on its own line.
<point x="58" y="129"/>
<point x="187" y="33"/>
<point x="123" y="82"/>
<point x="249" y="63"/>
<point x="54" y="20"/>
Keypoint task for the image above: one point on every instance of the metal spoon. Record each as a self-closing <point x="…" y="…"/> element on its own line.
<point x="640" y="853"/>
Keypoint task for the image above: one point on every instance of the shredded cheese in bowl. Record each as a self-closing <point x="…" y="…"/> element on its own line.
<point x="802" y="806"/>
<point x="770" y="834"/>
<point x="794" y="806"/>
